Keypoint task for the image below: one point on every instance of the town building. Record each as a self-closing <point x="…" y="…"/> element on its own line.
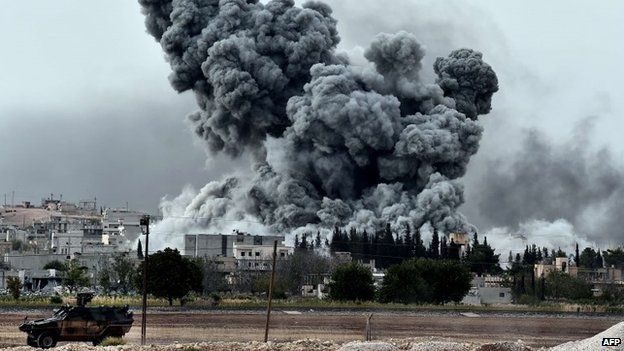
<point x="488" y="290"/>
<point x="222" y="245"/>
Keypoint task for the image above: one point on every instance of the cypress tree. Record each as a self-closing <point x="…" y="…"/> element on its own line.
<point x="317" y="240"/>
<point x="140" y="250"/>
<point x="444" y="254"/>
<point x="434" y="247"/>
<point x="419" y="246"/>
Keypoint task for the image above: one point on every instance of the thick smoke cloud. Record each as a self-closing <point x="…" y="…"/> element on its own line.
<point x="332" y="143"/>
<point x="546" y="181"/>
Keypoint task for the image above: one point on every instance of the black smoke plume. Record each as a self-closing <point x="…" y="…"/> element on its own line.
<point x="331" y="143"/>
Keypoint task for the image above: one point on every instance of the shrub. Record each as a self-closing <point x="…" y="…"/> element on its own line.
<point x="14" y="285"/>
<point x="352" y="282"/>
<point x="113" y="341"/>
<point x="56" y="300"/>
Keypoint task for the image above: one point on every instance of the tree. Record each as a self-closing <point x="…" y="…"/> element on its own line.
<point x="213" y="279"/>
<point x="588" y="258"/>
<point x="170" y="275"/>
<point x="352" y="282"/>
<point x="434" y="251"/>
<point x="56" y="264"/>
<point x="317" y="240"/>
<point x="104" y="279"/>
<point x="560" y="285"/>
<point x="124" y="271"/>
<point x="577" y="257"/>
<point x="140" y="251"/>
<point x="303" y="267"/>
<point x="419" y="247"/>
<point x="408" y="243"/>
<point x="425" y="281"/>
<point x="482" y="259"/>
<point x="74" y="276"/>
<point x="14" y="285"/>
<point x="614" y="257"/>
<point x="444" y="254"/>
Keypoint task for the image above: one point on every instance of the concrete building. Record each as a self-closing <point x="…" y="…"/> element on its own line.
<point x="562" y="264"/>
<point x="488" y="290"/>
<point x="45" y="280"/>
<point x="252" y="257"/>
<point x="32" y="261"/>
<point x="222" y="245"/>
<point x="67" y="243"/>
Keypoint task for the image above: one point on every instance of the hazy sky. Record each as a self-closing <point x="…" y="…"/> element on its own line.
<point x="86" y="109"/>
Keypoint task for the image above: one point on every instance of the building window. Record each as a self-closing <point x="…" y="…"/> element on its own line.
<point x="501" y="295"/>
<point x="243" y="254"/>
<point x="257" y="254"/>
<point x="282" y="254"/>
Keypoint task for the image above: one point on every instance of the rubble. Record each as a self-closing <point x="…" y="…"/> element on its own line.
<point x="440" y="346"/>
<point x="595" y="342"/>
<point x="368" y="346"/>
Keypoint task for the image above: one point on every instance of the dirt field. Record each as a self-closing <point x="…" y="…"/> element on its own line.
<point x="196" y="326"/>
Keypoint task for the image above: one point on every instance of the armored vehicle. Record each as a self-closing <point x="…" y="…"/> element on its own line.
<point x="78" y="323"/>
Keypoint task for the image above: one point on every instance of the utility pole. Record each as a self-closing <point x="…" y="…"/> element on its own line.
<point x="145" y="222"/>
<point x="271" y="283"/>
<point x="13" y="199"/>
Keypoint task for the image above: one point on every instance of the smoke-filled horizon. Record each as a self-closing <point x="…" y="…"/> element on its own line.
<point x="332" y="144"/>
<point x="569" y="185"/>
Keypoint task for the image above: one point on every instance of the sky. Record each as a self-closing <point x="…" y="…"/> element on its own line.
<point x="86" y="109"/>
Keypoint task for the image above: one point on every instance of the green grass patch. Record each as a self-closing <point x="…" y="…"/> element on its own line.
<point x="113" y="341"/>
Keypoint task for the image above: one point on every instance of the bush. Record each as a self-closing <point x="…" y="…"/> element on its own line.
<point x="14" y="285"/>
<point x="56" y="300"/>
<point x="425" y="281"/>
<point x="113" y="341"/>
<point x="352" y="282"/>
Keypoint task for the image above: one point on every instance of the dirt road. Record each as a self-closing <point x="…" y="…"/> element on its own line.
<point x="195" y="326"/>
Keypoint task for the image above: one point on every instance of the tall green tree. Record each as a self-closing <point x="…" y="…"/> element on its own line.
<point x="434" y="247"/>
<point x="588" y="258"/>
<point x="425" y="281"/>
<point x="352" y="282"/>
<point x="74" y="276"/>
<point x="482" y="259"/>
<point x="139" y="250"/>
<point x="124" y="270"/>
<point x="614" y="257"/>
<point x="170" y="275"/>
<point x="420" y="251"/>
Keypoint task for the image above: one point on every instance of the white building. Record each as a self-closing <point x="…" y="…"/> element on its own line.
<point x="488" y="290"/>
<point x="258" y="257"/>
<point x="121" y="227"/>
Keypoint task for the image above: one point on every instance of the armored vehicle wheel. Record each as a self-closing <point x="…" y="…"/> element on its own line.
<point x="46" y="340"/>
<point x="31" y="341"/>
